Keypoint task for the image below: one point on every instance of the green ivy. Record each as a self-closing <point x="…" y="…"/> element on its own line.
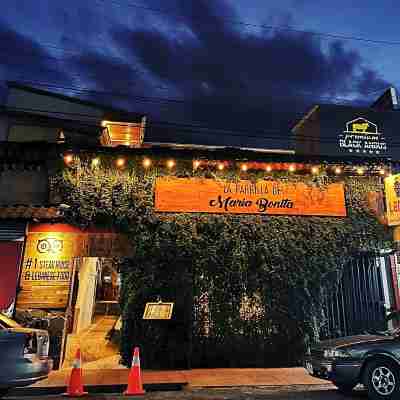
<point x="279" y="263"/>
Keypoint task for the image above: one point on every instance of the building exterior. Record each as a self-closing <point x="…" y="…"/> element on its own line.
<point x="78" y="180"/>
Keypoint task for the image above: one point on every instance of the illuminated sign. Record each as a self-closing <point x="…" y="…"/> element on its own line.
<point x="392" y="194"/>
<point x="46" y="269"/>
<point x="362" y="136"/>
<point x="50" y="245"/>
<point x="158" y="310"/>
<point x="247" y="197"/>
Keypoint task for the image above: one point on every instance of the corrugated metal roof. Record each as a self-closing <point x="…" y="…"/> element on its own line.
<point x="28" y="212"/>
<point x="12" y="230"/>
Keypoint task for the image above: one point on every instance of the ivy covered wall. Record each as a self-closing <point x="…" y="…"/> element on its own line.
<point x="247" y="288"/>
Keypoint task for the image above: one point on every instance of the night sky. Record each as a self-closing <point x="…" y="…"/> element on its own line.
<point x="209" y="63"/>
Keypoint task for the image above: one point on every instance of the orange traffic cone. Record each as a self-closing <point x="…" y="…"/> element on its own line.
<point x="75" y="387"/>
<point x="135" y="386"/>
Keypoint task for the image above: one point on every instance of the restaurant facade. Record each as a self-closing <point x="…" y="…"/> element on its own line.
<point x="250" y="247"/>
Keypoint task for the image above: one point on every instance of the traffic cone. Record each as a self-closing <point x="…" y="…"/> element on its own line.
<point x="75" y="387"/>
<point x="135" y="386"/>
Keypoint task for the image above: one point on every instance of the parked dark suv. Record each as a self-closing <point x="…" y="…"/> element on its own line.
<point x="372" y="360"/>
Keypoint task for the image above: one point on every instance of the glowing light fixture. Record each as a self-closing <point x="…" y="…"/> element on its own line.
<point x="68" y="158"/>
<point x="360" y="171"/>
<point x="120" y="162"/>
<point x="338" y="170"/>
<point x="221" y="166"/>
<point x="146" y="162"/>
<point x="292" y="168"/>
<point x="268" y="168"/>
<point x="170" y="164"/>
<point x="314" y="170"/>
<point x="243" y="167"/>
<point x="196" y="164"/>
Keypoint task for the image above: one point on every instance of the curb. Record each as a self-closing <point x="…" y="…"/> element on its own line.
<point x="119" y="388"/>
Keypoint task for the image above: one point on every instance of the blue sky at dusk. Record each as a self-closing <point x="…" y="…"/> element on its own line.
<point x="209" y="62"/>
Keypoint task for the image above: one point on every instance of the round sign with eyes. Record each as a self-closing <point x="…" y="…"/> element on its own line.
<point x="43" y="246"/>
<point x="49" y="245"/>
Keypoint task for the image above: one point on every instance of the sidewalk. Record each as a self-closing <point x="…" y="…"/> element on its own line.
<point x="221" y="377"/>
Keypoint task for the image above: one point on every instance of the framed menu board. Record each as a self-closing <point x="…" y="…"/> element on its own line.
<point x="158" y="310"/>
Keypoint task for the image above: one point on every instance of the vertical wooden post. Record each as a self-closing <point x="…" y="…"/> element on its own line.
<point x="69" y="313"/>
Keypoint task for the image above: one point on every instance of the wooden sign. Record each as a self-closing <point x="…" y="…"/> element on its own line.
<point x="246" y="197"/>
<point x="158" y="310"/>
<point x="108" y="245"/>
<point x="392" y="195"/>
<point x="46" y="269"/>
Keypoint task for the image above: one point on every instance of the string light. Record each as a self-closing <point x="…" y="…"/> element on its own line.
<point x="146" y="162"/>
<point x="170" y="164"/>
<point x="68" y="158"/>
<point x="120" y="162"/>
<point x="222" y="165"/>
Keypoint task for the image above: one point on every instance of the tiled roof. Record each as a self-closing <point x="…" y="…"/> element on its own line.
<point x="29" y="212"/>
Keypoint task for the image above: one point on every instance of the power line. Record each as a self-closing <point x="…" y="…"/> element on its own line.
<point x="161" y="100"/>
<point x="264" y="26"/>
<point x="264" y="135"/>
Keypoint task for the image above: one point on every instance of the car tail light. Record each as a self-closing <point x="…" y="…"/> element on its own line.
<point x="30" y="346"/>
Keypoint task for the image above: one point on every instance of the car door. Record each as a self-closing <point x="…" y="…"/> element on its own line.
<point x="11" y="350"/>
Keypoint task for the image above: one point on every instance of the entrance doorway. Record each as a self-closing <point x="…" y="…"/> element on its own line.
<point x="107" y="288"/>
<point x="95" y="310"/>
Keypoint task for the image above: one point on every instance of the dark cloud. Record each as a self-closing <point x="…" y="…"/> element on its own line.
<point x="24" y="59"/>
<point x="233" y="76"/>
<point x="227" y="74"/>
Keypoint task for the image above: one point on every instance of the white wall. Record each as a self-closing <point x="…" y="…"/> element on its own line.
<point x="86" y="293"/>
<point x="20" y="98"/>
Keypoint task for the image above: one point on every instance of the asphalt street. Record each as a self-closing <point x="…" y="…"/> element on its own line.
<point x="241" y="393"/>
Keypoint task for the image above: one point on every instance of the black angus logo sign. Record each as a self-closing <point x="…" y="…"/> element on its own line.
<point x="362" y="136"/>
<point x="333" y="130"/>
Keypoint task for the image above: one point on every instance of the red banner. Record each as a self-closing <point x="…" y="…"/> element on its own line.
<point x="10" y="253"/>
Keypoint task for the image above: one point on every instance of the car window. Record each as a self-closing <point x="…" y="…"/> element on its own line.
<point x="6" y="322"/>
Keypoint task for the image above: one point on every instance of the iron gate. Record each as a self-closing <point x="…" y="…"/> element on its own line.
<point x="357" y="303"/>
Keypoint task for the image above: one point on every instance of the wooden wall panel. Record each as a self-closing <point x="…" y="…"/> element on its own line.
<point x="47" y="269"/>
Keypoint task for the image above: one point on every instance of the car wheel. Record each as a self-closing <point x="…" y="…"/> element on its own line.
<point x="3" y="392"/>
<point x="344" y="388"/>
<point x="382" y="380"/>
